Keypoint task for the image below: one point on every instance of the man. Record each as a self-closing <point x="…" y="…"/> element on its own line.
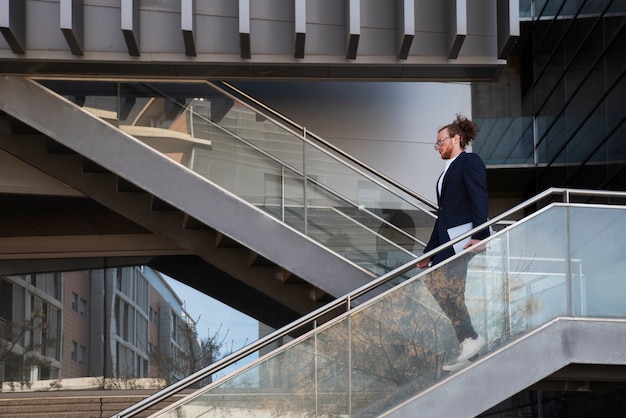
<point x="463" y="204"/>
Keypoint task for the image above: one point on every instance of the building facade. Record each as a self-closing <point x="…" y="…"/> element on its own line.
<point x="121" y="323"/>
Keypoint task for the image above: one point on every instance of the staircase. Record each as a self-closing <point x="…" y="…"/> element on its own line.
<point x="545" y="292"/>
<point x="68" y="403"/>
<point x="214" y="233"/>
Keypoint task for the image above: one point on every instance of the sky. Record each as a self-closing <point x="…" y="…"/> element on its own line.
<point x="212" y="316"/>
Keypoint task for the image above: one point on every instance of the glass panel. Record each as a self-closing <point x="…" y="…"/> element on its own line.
<point x="570" y="7"/>
<point x="402" y="342"/>
<point x="504" y="140"/>
<point x="537" y="270"/>
<point x="587" y="136"/>
<point x="552" y="8"/>
<point x="598" y="264"/>
<point x="540" y="7"/>
<point x="525" y="8"/>
<point x="551" y="130"/>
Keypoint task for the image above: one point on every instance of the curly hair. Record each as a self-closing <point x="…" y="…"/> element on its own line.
<point x="464" y="127"/>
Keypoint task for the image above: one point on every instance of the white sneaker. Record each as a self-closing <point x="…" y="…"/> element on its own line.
<point x="470" y="347"/>
<point x="456" y="366"/>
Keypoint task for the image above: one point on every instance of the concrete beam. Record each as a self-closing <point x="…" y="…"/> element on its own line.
<point x="130" y="26"/>
<point x="244" y="29"/>
<point x="353" y="26"/>
<point x="508" y="26"/>
<point x="188" y="25"/>
<point x="458" y="27"/>
<point x="299" y="29"/>
<point x="405" y="21"/>
<point x="72" y="24"/>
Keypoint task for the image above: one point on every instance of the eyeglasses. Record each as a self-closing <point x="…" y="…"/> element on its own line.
<point x="440" y="141"/>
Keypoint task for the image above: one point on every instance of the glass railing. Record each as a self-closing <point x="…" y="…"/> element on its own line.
<point x="564" y="260"/>
<point x="270" y="163"/>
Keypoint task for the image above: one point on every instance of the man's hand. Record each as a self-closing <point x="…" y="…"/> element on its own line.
<point x="472" y="243"/>
<point x="423" y="263"/>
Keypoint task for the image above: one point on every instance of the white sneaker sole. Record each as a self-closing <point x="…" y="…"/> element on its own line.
<point x="479" y="343"/>
<point x="456" y="366"/>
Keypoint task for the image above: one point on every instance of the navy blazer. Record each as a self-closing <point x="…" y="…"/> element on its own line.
<point x="464" y="198"/>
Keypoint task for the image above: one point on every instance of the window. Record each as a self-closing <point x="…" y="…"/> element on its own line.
<point x="74" y="351"/>
<point x="82" y="307"/>
<point x="74" y="302"/>
<point x="82" y="354"/>
<point x="174" y="327"/>
<point x="6" y="300"/>
<point x="142" y="293"/>
<point x="50" y="283"/>
<point x="154" y="316"/>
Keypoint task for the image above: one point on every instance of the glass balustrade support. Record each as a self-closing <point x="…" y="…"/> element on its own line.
<point x="568" y="263"/>
<point x="387" y="349"/>
<point x="282" y="194"/>
<point x="516" y="291"/>
<point x="305" y="194"/>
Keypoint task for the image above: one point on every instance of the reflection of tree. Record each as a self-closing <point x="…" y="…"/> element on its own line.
<point x="20" y="351"/>
<point x="384" y="353"/>
<point x="398" y="345"/>
<point x="398" y="229"/>
<point x="192" y="355"/>
<point x="390" y="349"/>
<point x="512" y="317"/>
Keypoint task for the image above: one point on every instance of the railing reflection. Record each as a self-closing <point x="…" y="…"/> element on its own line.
<point x="285" y="172"/>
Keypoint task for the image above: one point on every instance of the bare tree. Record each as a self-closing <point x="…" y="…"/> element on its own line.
<point x="192" y="354"/>
<point x="20" y="351"/>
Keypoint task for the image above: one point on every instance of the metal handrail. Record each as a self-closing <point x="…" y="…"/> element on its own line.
<point x="564" y="193"/>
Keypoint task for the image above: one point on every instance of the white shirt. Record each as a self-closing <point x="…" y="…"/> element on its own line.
<point x="440" y="182"/>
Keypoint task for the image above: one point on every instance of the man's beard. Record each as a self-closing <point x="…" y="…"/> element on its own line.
<point x="445" y="154"/>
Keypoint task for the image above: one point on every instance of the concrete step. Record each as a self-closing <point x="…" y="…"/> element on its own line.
<point x="84" y="404"/>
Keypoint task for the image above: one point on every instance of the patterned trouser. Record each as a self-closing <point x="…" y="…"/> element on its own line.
<point x="447" y="285"/>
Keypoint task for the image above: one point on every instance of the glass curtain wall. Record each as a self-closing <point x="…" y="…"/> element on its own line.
<point x="558" y="105"/>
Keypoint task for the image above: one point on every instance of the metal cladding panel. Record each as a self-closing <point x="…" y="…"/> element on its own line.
<point x="205" y="38"/>
<point x="42" y="28"/>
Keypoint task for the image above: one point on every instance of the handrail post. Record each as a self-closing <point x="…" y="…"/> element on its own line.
<point x="304" y="184"/>
<point x="282" y="193"/>
<point x="568" y="260"/>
